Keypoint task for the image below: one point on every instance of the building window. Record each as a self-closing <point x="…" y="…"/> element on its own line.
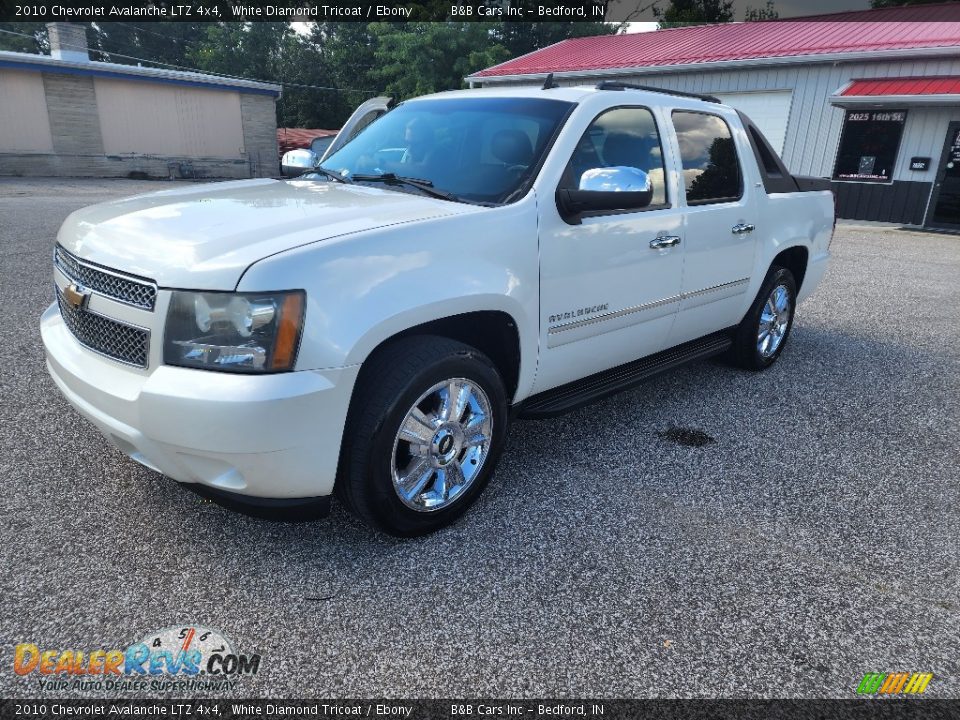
<point x="869" y="145"/>
<point x="711" y="170"/>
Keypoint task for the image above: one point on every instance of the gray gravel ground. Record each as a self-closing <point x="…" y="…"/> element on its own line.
<point x="815" y="540"/>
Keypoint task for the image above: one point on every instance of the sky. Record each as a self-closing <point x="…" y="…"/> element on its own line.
<point x="638" y="27"/>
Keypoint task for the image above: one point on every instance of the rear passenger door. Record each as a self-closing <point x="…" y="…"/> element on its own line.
<point x="719" y="226"/>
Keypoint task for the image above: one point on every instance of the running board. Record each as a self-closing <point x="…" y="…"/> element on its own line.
<point x="569" y="397"/>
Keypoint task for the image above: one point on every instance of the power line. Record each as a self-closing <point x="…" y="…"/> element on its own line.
<point x="199" y="71"/>
<point x="168" y="38"/>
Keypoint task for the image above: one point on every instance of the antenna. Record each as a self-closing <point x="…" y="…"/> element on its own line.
<point x="549" y="84"/>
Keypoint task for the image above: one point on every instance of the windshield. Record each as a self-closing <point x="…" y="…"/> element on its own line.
<point x="478" y="149"/>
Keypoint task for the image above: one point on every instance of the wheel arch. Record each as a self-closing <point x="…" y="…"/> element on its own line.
<point x="495" y="333"/>
<point x="794" y="259"/>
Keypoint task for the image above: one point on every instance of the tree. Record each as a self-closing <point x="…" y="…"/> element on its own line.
<point x="720" y="174"/>
<point x="765" y="13"/>
<point x="271" y="52"/>
<point x="342" y="58"/>
<point x="35" y="43"/>
<point x="419" y="58"/>
<point x="520" y="38"/>
<point x="694" y="12"/>
<point x="160" y="43"/>
<point x="253" y="50"/>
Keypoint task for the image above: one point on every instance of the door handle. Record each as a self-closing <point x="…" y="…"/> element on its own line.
<point x="665" y="241"/>
<point x="742" y="228"/>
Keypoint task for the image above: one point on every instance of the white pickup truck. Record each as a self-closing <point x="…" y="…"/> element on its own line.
<point x="372" y="326"/>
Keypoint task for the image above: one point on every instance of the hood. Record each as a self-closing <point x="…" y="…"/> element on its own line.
<point x="205" y="236"/>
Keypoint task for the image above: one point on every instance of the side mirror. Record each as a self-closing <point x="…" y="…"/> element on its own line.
<point x="611" y="188"/>
<point x="297" y="162"/>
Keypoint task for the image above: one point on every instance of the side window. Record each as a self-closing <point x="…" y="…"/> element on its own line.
<point x="711" y="170"/>
<point x="620" y="137"/>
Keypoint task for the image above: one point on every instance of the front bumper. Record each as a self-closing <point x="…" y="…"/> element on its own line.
<point x="256" y="436"/>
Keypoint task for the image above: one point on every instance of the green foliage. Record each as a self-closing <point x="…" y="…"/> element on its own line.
<point x="419" y="58"/>
<point x="694" y="12"/>
<point x="159" y="42"/>
<point x="36" y="43"/>
<point x="769" y="12"/>
<point x="253" y="50"/>
<point x="520" y="38"/>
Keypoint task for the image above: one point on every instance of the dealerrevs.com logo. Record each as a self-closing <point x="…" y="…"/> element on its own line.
<point x="182" y="658"/>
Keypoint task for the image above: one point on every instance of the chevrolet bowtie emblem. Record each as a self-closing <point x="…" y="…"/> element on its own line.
<point x="76" y="295"/>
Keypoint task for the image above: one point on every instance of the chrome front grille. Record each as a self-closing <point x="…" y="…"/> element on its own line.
<point x="116" y="340"/>
<point x="129" y="289"/>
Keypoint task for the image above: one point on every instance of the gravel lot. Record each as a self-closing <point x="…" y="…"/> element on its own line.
<point x="814" y="540"/>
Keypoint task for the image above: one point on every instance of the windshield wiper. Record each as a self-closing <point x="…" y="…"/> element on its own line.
<point x="425" y="186"/>
<point x="332" y="175"/>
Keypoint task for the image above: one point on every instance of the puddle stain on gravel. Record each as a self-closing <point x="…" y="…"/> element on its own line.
<point x="689" y="437"/>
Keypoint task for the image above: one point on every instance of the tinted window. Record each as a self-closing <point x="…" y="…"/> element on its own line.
<point x="623" y="137"/>
<point x="869" y="144"/>
<point x="481" y="149"/>
<point x="711" y="170"/>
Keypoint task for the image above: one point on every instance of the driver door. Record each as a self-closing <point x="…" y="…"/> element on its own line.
<point x="610" y="280"/>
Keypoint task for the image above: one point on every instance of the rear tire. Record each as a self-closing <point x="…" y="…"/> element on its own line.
<point x="762" y="334"/>
<point x="414" y="460"/>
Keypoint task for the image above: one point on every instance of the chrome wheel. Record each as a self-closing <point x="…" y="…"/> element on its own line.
<point x="774" y="321"/>
<point x="442" y="445"/>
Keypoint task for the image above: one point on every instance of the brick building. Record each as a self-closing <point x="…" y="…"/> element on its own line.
<point x="64" y="114"/>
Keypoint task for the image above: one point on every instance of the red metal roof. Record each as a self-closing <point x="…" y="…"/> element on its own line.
<point x="903" y="86"/>
<point x="900" y="28"/>
<point x="294" y="138"/>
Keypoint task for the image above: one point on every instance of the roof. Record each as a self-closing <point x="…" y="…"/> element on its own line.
<point x="566" y="93"/>
<point x="913" y="30"/>
<point x="293" y="138"/>
<point x="46" y="63"/>
<point x="943" y="85"/>
<point x="598" y="93"/>
<point x="932" y="90"/>
<point x="572" y="94"/>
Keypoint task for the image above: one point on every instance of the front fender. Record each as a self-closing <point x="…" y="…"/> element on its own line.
<point x="365" y="288"/>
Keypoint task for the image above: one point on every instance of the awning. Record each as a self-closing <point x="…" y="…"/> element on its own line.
<point x="884" y="92"/>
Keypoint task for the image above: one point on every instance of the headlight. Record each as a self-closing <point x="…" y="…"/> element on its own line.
<point x="237" y="332"/>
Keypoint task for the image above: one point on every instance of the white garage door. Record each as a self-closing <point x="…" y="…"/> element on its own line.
<point x="769" y="109"/>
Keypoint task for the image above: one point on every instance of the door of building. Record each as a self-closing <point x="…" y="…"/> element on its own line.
<point x="945" y="204"/>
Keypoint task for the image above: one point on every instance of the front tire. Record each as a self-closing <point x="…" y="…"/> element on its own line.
<point x="762" y="334"/>
<point x="424" y="434"/>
